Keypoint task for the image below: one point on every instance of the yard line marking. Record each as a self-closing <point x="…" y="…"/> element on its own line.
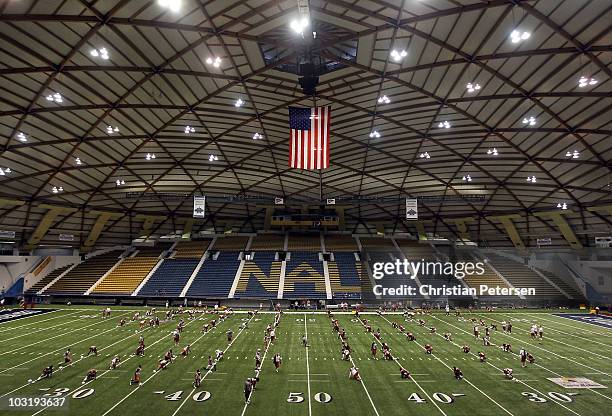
<point x="56" y="336"/>
<point x="58" y="349"/>
<point x="36" y="322"/>
<point x="211" y="369"/>
<point x="594" y="391"/>
<point x="263" y="360"/>
<point x="568" y="333"/>
<point x="569" y="345"/>
<point x="307" y="365"/>
<point x="561" y="318"/>
<point x="41" y="329"/>
<point x="71" y="365"/>
<point x="544" y="349"/>
<point x="144" y="382"/>
<point x="415" y="382"/>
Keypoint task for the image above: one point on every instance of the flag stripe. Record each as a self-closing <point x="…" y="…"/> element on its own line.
<point x="309" y="137"/>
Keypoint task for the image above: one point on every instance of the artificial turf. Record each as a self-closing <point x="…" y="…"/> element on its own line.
<point x="312" y="380"/>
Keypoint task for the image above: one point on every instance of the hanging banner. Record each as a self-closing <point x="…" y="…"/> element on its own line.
<point x="199" y="204"/>
<point x="412" y="212"/>
<point x="66" y="237"/>
<point x="279" y="201"/>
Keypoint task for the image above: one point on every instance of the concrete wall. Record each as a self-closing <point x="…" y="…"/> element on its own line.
<point x="12" y="266"/>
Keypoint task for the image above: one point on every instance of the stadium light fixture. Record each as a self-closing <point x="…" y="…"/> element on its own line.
<point x="78" y="161"/>
<point x="562" y="206"/>
<point x="57" y="189"/>
<point x="216" y="61"/>
<point x="472" y="87"/>
<point x="375" y="134"/>
<point x="102" y="53"/>
<point x="425" y="155"/>
<point x="120" y="182"/>
<point x="574" y="155"/>
<point x="213" y="158"/>
<point x="257" y="136"/>
<point x="5" y="171"/>
<point x="530" y="121"/>
<point x="398" y="55"/>
<point x="150" y="156"/>
<point x="444" y="125"/>
<point x="111" y="129"/>
<point x="239" y="103"/>
<point x="189" y="129"/>
<point x="22" y="137"/>
<point x="492" y="152"/>
<point x="172" y="5"/>
<point x="55" y="97"/>
<point x="467" y="178"/>
<point x="531" y="179"/>
<point x="298" y="25"/>
<point x="518" y="36"/>
<point x="384" y="100"/>
<point x="584" y="82"/>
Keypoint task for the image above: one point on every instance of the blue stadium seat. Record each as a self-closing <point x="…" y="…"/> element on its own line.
<point x="170" y="278"/>
<point x="215" y="278"/>
<point x="304" y="276"/>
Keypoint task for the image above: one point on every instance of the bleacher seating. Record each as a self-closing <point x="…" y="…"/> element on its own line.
<point x="234" y="243"/>
<point x="170" y="277"/>
<point x="78" y="280"/>
<point x="489" y="278"/>
<point x="268" y="242"/>
<point x="304" y="277"/>
<point x="415" y="251"/>
<point x="215" y="277"/>
<point x="126" y="277"/>
<point x="345" y="276"/>
<point x="519" y="275"/>
<point x="563" y="285"/>
<point x="47" y="279"/>
<point x="260" y="276"/>
<point x="191" y="249"/>
<point x="304" y="242"/>
<point x="335" y="243"/>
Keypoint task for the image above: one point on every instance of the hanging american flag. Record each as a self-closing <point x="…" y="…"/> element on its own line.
<point x="309" y="142"/>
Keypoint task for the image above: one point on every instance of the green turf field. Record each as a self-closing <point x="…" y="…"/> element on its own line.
<point x="313" y="380"/>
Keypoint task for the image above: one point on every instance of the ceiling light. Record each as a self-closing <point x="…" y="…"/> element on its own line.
<point x="22" y="137"/>
<point x="189" y="129"/>
<point x="216" y="62"/>
<point x="5" y="171"/>
<point x="425" y="156"/>
<point x="375" y="134"/>
<point x="467" y="178"/>
<point x="562" y="206"/>
<point x="584" y="81"/>
<point x="472" y="87"/>
<point x="150" y="156"/>
<point x="257" y="136"/>
<point x="102" y="53"/>
<point x="529" y="120"/>
<point x="493" y="152"/>
<point x="238" y="102"/>
<point x="78" y="161"/>
<point x="444" y="124"/>
<point x="55" y="97"/>
<point x="517" y="36"/>
<point x="212" y="158"/>
<point x="384" y="100"/>
<point x="298" y="26"/>
<point x="57" y="189"/>
<point x="120" y="182"/>
<point x="398" y="55"/>
<point x="531" y="179"/>
<point x="574" y="155"/>
<point x="173" y="5"/>
<point x="111" y="129"/>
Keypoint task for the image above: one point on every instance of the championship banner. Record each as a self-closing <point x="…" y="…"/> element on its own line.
<point x="199" y="203"/>
<point x="412" y="212"/>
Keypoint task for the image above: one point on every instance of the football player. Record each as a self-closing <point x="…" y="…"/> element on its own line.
<point x="482" y="356"/>
<point x="186" y="350"/>
<point x="354" y="374"/>
<point x="276" y="360"/>
<point x="93" y="350"/>
<point x="114" y="362"/>
<point x="91" y="375"/>
<point x="457" y="373"/>
<point x="197" y="378"/>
